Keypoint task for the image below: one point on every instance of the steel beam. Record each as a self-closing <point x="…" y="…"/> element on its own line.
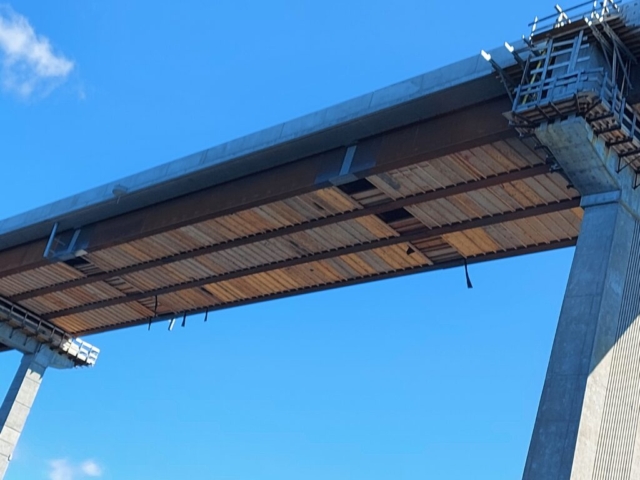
<point x="445" y="192"/>
<point x="537" y="248"/>
<point x="405" y="146"/>
<point x="409" y="237"/>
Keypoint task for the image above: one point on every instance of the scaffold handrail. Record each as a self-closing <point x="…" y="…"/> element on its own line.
<point x="83" y="353"/>
<point x="596" y="11"/>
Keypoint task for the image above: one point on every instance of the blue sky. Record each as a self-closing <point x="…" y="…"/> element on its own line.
<point x="411" y="378"/>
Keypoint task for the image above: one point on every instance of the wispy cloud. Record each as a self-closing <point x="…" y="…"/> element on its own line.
<point x="91" y="468"/>
<point x="63" y="469"/>
<point x="60" y="470"/>
<point x="29" y="63"/>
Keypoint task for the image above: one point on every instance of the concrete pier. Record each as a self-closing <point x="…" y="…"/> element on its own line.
<point x="42" y="346"/>
<point x="17" y="404"/>
<point x="587" y="421"/>
<point x="22" y="393"/>
<point x="575" y="99"/>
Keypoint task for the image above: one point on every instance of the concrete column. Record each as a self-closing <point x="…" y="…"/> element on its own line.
<point x="17" y="404"/>
<point x="587" y="422"/>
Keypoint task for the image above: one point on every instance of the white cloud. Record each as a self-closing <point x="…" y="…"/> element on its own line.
<point x="91" y="468"/>
<point x="28" y="60"/>
<point x="63" y="469"/>
<point x="60" y="470"/>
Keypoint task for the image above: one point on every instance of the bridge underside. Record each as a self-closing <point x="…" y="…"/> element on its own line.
<point x="401" y="202"/>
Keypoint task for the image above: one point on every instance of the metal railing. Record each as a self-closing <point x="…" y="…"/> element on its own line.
<point x="81" y="352"/>
<point x="583" y="71"/>
<point x="554" y="91"/>
<point x="585" y="12"/>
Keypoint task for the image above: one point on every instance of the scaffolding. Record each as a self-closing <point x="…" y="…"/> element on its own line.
<point x="20" y="320"/>
<point x="579" y="62"/>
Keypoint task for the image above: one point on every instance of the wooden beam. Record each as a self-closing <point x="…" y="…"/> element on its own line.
<point x="542" y="247"/>
<point x="422" y="141"/>
<point x="409" y="237"/>
<point x="458" y="189"/>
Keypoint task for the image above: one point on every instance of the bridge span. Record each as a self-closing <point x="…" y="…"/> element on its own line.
<point x="525" y="148"/>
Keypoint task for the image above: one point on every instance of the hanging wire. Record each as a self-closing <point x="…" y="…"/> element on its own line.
<point x="155" y="312"/>
<point x="466" y="273"/>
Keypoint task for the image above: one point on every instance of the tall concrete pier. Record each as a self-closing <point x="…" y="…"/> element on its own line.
<point x="587" y="422"/>
<point x="42" y="346"/>
<point x="574" y="99"/>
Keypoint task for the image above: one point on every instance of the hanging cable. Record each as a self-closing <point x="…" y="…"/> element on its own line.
<point x="466" y="273"/>
<point x="155" y="312"/>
